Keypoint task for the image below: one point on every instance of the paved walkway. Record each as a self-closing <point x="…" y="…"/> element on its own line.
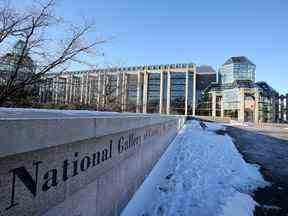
<point x="269" y="151"/>
<point x="267" y="147"/>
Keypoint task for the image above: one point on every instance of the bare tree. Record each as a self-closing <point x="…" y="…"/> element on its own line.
<point x="108" y="96"/>
<point x="32" y="27"/>
<point x="114" y="95"/>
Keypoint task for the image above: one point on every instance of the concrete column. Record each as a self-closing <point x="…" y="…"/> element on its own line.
<point x="274" y="108"/>
<point x="124" y="90"/>
<point x="74" y="90"/>
<point x="48" y="88"/>
<point x="139" y="91"/>
<point x="99" y="86"/>
<point x="71" y="89"/>
<point x="104" y="83"/>
<point x="270" y="110"/>
<point x="194" y="91"/>
<point x="282" y="107"/>
<point x="53" y="89"/>
<point x="286" y="107"/>
<point x="168" y="92"/>
<point x="145" y="92"/>
<point x="56" y="81"/>
<point x="58" y="90"/>
<point x="86" y="87"/>
<point x="82" y="88"/>
<point x="161" y="92"/>
<point x="186" y="92"/>
<point x="40" y="93"/>
<point x="241" y="114"/>
<point x="67" y="91"/>
<point x="90" y="89"/>
<point x="44" y="92"/>
<point x="118" y="82"/>
<point x="44" y="98"/>
<point x="93" y="86"/>
<point x="214" y="104"/>
<point x="222" y="108"/>
<point x="118" y="87"/>
<point x="257" y="111"/>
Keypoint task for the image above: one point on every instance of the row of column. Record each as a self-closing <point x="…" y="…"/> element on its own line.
<point x="72" y="89"/>
<point x="214" y="105"/>
<point x="283" y="107"/>
<point x="80" y="89"/>
<point x="161" y="92"/>
<point x="241" y="109"/>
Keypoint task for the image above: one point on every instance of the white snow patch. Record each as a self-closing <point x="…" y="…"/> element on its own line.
<point x="239" y="205"/>
<point x="201" y="173"/>
<point x="237" y="123"/>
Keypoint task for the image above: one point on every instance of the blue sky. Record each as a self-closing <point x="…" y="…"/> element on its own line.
<point x="202" y="31"/>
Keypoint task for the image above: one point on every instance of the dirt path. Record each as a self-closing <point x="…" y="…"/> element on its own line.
<point x="271" y="153"/>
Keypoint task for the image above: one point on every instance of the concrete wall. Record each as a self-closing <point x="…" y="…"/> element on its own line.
<point x="78" y="166"/>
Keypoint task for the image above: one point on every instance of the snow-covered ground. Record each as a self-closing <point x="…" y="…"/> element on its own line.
<point x="202" y="174"/>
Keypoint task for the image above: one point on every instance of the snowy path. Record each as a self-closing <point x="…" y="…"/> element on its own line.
<point x="201" y="173"/>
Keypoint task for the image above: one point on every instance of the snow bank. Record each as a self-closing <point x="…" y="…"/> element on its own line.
<point x="201" y="173"/>
<point x="239" y="205"/>
<point x="237" y="123"/>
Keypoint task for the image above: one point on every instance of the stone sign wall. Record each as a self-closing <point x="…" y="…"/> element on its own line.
<point x="94" y="176"/>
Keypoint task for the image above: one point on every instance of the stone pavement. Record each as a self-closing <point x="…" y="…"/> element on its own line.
<point x="267" y="147"/>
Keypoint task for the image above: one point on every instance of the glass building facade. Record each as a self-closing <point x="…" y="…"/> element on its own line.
<point x="239" y="97"/>
<point x="10" y="61"/>
<point x="177" y="91"/>
<point x="165" y="89"/>
<point x="237" y="68"/>
<point x="132" y="81"/>
<point x="93" y="89"/>
<point x="153" y="93"/>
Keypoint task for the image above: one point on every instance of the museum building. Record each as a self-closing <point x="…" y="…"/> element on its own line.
<point x="238" y="96"/>
<point x="164" y="89"/>
<point x="175" y="89"/>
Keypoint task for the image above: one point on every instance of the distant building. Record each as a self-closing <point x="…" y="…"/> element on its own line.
<point x="237" y="69"/>
<point x="164" y="89"/>
<point x="10" y="61"/>
<point x="182" y="89"/>
<point x="239" y="97"/>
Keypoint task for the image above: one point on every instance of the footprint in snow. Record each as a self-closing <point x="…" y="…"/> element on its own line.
<point x="163" y="189"/>
<point x="169" y="176"/>
<point x="160" y="211"/>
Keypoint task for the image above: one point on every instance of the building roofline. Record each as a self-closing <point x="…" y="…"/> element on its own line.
<point x="131" y="68"/>
<point x="234" y="59"/>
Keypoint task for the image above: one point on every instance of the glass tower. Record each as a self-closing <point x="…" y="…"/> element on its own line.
<point x="237" y="68"/>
